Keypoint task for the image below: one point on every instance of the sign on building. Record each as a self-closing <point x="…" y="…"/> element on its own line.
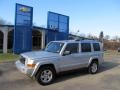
<point x="23" y="29"/>
<point x="59" y="24"/>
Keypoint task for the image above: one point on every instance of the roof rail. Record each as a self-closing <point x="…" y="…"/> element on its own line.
<point x="79" y="39"/>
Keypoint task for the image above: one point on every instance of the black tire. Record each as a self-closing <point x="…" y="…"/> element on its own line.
<point x="90" y="68"/>
<point x="41" y="71"/>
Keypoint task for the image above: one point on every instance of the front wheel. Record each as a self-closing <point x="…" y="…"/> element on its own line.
<point x="46" y="75"/>
<point x="93" y="68"/>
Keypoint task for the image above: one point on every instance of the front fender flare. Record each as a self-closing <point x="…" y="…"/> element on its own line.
<point x="38" y="65"/>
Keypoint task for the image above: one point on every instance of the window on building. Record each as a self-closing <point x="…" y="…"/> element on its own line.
<point x="1" y="40"/>
<point x="85" y="47"/>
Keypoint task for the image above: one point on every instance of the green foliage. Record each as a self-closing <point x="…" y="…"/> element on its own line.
<point x="8" y="57"/>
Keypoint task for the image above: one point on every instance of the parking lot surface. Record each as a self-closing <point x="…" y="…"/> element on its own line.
<point x="107" y="79"/>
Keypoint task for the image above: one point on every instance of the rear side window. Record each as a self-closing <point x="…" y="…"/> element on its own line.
<point x="85" y="47"/>
<point x="96" y="46"/>
<point x="72" y="47"/>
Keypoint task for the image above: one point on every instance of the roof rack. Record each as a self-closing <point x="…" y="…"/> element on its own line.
<point x="80" y="39"/>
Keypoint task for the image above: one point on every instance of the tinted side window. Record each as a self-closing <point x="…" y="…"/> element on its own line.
<point x="72" y="47"/>
<point x="96" y="46"/>
<point x="85" y="47"/>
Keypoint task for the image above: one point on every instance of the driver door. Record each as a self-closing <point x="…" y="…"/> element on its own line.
<point x="71" y="60"/>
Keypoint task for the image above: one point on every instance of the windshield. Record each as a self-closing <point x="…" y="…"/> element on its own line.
<point x="54" y="47"/>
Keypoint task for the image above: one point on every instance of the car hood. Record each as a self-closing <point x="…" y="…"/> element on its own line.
<point x="39" y="54"/>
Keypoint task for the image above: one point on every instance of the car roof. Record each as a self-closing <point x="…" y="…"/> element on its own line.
<point x="78" y="41"/>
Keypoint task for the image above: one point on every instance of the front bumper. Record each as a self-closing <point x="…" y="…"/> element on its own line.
<point x="22" y="68"/>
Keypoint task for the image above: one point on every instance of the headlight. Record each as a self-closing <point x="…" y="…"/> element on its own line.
<point x="30" y="63"/>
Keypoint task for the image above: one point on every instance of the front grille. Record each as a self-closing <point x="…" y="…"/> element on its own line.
<point x="22" y="60"/>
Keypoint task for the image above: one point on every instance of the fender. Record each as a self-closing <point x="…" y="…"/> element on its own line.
<point x="39" y="64"/>
<point x="92" y="58"/>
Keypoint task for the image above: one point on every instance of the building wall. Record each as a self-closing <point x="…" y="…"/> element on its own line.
<point x="5" y="29"/>
<point x="46" y="36"/>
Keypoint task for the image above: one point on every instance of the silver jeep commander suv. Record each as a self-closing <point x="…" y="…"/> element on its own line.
<point x="61" y="56"/>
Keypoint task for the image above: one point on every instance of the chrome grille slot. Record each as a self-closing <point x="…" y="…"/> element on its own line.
<point x="22" y="60"/>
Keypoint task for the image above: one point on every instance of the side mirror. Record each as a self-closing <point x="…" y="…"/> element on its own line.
<point x="66" y="53"/>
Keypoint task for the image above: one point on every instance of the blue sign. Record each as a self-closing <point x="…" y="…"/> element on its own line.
<point x="23" y="29"/>
<point x="59" y="25"/>
<point x="58" y="22"/>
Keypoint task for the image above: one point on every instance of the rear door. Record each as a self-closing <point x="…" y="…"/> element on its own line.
<point x="86" y="53"/>
<point x="98" y="52"/>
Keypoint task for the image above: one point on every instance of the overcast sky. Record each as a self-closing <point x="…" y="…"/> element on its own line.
<point x="88" y="16"/>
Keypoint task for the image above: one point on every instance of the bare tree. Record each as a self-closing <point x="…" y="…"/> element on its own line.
<point x="107" y="37"/>
<point x="119" y="39"/>
<point x="82" y="35"/>
<point x="77" y="32"/>
<point x="2" y="22"/>
<point x="116" y="38"/>
<point x="90" y="36"/>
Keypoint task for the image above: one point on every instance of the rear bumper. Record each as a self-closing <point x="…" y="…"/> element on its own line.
<point x="22" y="68"/>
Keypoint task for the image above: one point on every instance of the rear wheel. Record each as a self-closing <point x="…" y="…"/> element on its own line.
<point x="46" y="75"/>
<point x="93" y="68"/>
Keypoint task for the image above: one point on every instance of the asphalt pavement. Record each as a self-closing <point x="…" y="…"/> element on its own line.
<point x="107" y="79"/>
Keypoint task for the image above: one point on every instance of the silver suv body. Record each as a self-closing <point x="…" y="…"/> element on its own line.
<point x="61" y="56"/>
